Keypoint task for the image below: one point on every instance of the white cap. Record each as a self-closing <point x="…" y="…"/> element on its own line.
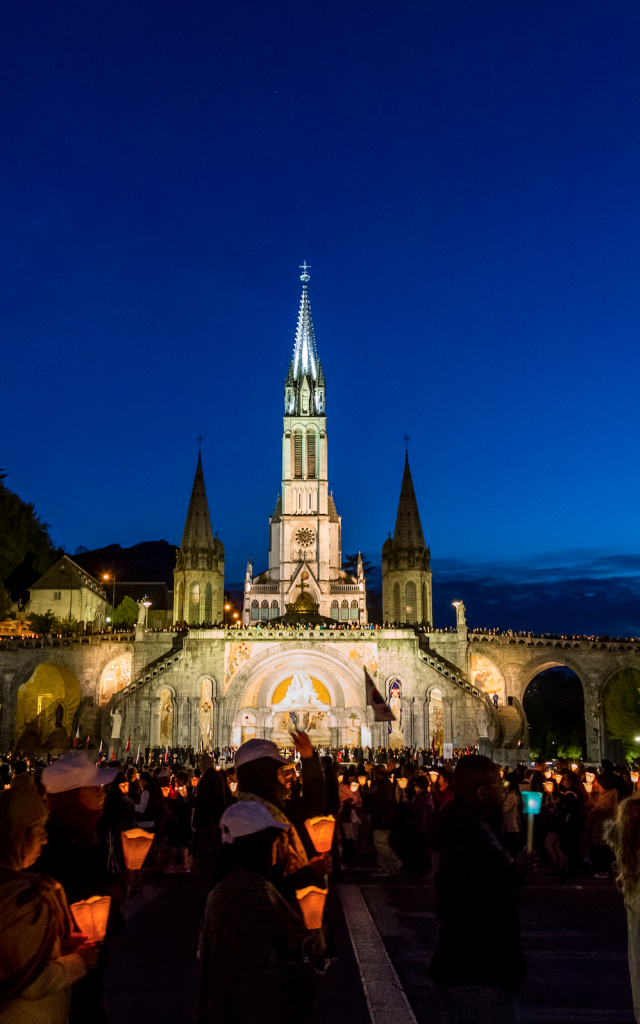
<point x="73" y="771"/>
<point x="245" y="818"/>
<point x="253" y="749"/>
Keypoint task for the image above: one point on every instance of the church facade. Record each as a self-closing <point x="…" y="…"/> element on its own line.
<point x="214" y="686"/>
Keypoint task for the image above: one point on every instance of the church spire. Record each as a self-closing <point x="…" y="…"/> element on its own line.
<point x="305" y="356"/>
<point x="197" y="529"/>
<point x="408" y="531"/>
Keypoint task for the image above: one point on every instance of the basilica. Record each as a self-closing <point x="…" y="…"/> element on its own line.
<point x="304" y="648"/>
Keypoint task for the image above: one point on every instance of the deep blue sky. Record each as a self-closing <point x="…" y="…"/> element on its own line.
<point x="463" y="178"/>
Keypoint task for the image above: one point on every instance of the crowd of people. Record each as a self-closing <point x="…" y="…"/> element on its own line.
<point x="238" y="822"/>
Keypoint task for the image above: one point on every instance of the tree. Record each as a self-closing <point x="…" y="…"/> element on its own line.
<point x="45" y="623"/>
<point x="68" y="624"/>
<point x="350" y="564"/>
<point x="621" y="702"/>
<point x="21" y="532"/>
<point x="126" y="612"/>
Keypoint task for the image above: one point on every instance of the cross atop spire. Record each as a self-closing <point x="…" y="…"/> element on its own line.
<point x="200" y="439"/>
<point x="304" y="277"/>
<point x="406" y="440"/>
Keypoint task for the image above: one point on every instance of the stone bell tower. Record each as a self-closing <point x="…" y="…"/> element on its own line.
<point x="406" y="563"/>
<point x="198" y="578"/>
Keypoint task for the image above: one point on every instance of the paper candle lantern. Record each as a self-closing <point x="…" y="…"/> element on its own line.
<point x="591" y="776"/>
<point x="433" y="776"/>
<point x="91" y="917"/>
<point x="340" y="778"/>
<point x="321" y="831"/>
<point x="233" y="786"/>
<point x="548" y="774"/>
<point x="136" y="844"/>
<point x="548" y="787"/>
<point x="194" y="781"/>
<point x="124" y="786"/>
<point x="165" y="790"/>
<point x="402" y="782"/>
<point x="312" y="900"/>
<point x="354" y="787"/>
<point x="574" y="767"/>
<point x="588" y="786"/>
<point x="362" y="779"/>
<point x="558" y="778"/>
<point x="634" y="777"/>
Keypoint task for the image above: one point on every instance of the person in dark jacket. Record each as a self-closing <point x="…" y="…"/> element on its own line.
<point x="212" y="799"/>
<point x="478" y="965"/>
<point x="251" y="951"/>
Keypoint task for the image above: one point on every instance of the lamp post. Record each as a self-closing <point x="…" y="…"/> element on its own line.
<point x="226" y="608"/>
<point x="106" y="576"/>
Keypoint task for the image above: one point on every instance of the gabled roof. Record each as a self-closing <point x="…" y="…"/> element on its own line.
<point x="197" y="529"/>
<point x="66" y="575"/>
<point x="305" y="356"/>
<point x="408" y="531"/>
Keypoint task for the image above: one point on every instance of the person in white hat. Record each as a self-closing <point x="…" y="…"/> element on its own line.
<point x="265" y="777"/>
<point x="251" y="969"/>
<point x="73" y="856"/>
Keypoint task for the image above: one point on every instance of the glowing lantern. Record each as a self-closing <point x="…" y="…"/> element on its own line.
<point x="340" y="778"/>
<point x="548" y="774"/>
<point x="354" y="787"/>
<point x="362" y="779"/>
<point x="312" y="900"/>
<point x="402" y="782"/>
<point x="182" y="790"/>
<point x="558" y="778"/>
<point x="634" y="777"/>
<point x="195" y="781"/>
<point x="165" y="790"/>
<point x="590" y="776"/>
<point x="531" y="804"/>
<point x="548" y="787"/>
<point x="433" y="776"/>
<point x="136" y="844"/>
<point x="91" y="917"/>
<point x="124" y="786"/>
<point x="233" y="786"/>
<point x="574" y="767"/>
<point x="321" y="831"/>
<point x="588" y="786"/>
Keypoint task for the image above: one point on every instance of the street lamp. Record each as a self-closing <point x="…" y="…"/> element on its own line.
<point x="105" y="576"/>
<point x="224" y="615"/>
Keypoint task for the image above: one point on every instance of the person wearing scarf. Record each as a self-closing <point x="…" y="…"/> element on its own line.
<point x="39" y="958"/>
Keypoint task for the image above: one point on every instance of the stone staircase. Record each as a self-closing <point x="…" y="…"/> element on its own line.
<point x="155" y="668"/>
<point x="512" y="728"/>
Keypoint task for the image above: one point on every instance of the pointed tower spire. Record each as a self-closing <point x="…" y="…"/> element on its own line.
<point x="408" y="531"/>
<point x="197" y="529"/>
<point x="305" y="356"/>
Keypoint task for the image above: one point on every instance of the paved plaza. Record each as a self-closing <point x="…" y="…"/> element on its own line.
<point x="385" y="930"/>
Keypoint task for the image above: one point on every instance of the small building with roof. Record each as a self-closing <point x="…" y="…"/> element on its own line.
<point x="67" y="590"/>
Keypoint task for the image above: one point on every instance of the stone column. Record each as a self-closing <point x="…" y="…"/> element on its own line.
<point x="447" y="705"/>
<point x="594" y="730"/>
<point x="407" y="720"/>
<point x="418" y="722"/>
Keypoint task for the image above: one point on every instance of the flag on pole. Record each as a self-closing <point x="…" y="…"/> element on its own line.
<point x="128" y="747"/>
<point x="113" y="753"/>
<point x="381" y="710"/>
<point x="100" y="753"/>
<point x="76" y="738"/>
<point x="138" y="754"/>
<point x="88" y="738"/>
<point x="166" y="753"/>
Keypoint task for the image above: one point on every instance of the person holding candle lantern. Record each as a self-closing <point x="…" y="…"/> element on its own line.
<point x="75" y="858"/>
<point x="251" y="949"/>
<point x="265" y="777"/>
<point x="39" y="957"/>
<point x="623" y="836"/>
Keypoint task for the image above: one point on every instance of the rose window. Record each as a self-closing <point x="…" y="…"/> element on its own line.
<point x="305" y="537"/>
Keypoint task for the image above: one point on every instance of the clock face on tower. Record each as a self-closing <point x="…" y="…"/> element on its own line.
<point x="305" y="537"/>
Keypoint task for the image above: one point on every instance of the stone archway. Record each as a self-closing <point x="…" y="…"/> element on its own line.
<point x="114" y="677"/>
<point x="264" y="681"/>
<point x="554" y="705"/>
<point x="45" y="708"/>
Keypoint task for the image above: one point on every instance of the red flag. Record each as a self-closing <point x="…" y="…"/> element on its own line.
<point x="88" y="738"/>
<point x="128" y="747"/>
<point x="381" y="710"/>
<point x="76" y="738"/>
<point x="113" y="753"/>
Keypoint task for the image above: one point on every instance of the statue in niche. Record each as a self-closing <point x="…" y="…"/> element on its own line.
<point x="116" y="724"/>
<point x="58" y="740"/>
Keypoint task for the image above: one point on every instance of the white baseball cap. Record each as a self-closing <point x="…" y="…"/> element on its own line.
<point x="253" y="749"/>
<point x="245" y="818"/>
<point x="73" y="771"/>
